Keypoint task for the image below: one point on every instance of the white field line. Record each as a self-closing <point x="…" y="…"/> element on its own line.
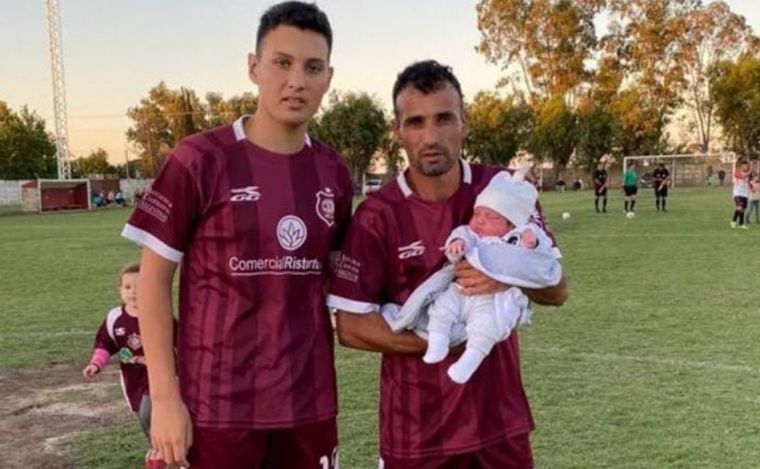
<point x="664" y="362"/>
<point x="45" y="335"/>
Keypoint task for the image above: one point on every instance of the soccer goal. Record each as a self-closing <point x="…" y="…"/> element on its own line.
<point x="687" y="170"/>
<point x="46" y="195"/>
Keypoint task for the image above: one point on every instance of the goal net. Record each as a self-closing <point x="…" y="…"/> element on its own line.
<point x="686" y="170"/>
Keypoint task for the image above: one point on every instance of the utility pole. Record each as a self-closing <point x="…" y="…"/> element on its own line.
<point x="59" y="89"/>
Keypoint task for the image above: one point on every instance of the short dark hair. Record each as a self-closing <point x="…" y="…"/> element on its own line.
<point x="426" y="76"/>
<point x="304" y="16"/>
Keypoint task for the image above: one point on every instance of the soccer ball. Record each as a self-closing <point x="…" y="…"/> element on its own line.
<point x="566" y="215"/>
<point x="630" y="215"/>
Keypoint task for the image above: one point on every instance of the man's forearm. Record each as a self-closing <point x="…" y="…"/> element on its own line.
<point x="157" y="324"/>
<point x="370" y="332"/>
<point x="549" y="296"/>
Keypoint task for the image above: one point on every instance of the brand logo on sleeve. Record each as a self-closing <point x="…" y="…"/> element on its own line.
<point x="412" y="250"/>
<point x="291" y="232"/>
<point x="326" y="206"/>
<point x="245" y="194"/>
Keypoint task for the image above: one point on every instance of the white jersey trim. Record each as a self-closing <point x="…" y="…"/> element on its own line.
<point x="113" y="315"/>
<point x="407" y="191"/>
<point x="351" y="306"/>
<point x="237" y="127"/>
<point x="143" y="238"/>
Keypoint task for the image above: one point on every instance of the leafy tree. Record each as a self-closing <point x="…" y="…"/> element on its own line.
<point x="649" y="40"/>
<point x="597" y="135"/>
<point x="94" y="163"/>
<point x="714" y="33"/>
<point x="27" y="150"/>
<point x="498" y="128"/>
<point x="166" y="116"/>
<point x="355" y="126"/>
<point x="549" y="40"/>
<point x="555" y="134"/>
<point x="736" y="93"/>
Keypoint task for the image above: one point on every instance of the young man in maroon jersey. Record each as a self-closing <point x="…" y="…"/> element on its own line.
<point x="252" y="211"/>
<point x="393" y="244"/>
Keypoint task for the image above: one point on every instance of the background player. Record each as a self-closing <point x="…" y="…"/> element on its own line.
<point x="630" y="186"/>
<point x="600" y="186"/>
<point x="661" y="182"/>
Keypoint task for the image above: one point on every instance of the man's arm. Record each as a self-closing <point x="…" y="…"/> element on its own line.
<point x="171" y="428"/>
<point x="369" y="331"/>
<point x="549" y="296"/>
<point x="474" y="282"/>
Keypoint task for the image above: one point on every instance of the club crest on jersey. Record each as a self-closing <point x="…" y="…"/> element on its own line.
<point x="326" y="206"/>
<point x="291" y="232"/>
<point x="412" y="250"/>
<point x="134" y="341"/>
<point x="245" y="194"/>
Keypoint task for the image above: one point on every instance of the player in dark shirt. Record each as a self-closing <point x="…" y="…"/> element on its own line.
<point x="600" y="187"/>
<point x="660" y="183"/>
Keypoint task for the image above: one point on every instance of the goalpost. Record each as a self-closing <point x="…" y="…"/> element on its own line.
<point x="689" y="169"/>
<point x="45" y="195"/>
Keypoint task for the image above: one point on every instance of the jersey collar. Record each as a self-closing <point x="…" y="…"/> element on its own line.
<point x="237" y="127"/>
<point x="407" y="191"/>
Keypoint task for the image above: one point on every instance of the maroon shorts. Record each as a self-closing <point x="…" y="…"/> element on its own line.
<point x="308" y="446"/>
<point x="740" y="202"/>
<point x="512" y="453"/>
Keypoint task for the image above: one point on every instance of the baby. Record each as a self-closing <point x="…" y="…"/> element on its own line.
<point x="501" y="215"/>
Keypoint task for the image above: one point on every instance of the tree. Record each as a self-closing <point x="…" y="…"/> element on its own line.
<point x="648" y="39"/>
<point x="166" y="116"/>
<point x="714" y="33"/>
<point x="597" y="135"/>
<point x="736" y="93"/>
<point x="224" y="112"/>
<point x="549" y="40"/>
<point x="96" y="163"/>
<point x="355" y="126"/>
<point x="27" y="150"/>
<point x="555" y="134"/>
<point x="498" y="128"/>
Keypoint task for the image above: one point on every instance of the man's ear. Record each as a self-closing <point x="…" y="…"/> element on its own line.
<point x="253" y="65"/>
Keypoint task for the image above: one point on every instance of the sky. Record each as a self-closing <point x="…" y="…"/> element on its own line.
<point x="115" y="51"/>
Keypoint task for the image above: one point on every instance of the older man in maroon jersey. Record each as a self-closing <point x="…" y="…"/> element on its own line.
<point x="393" y="244"/>
<point x="252" y="211"/>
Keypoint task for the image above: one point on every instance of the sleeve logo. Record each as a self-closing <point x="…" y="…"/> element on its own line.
<point x="412" y="250"/>
<point x="291" y="232"/>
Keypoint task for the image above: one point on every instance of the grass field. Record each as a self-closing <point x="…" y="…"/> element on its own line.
<point x="652" y="363"/>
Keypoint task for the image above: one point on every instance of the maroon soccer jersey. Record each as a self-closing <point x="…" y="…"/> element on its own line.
<point x="253" y="230"/>
<point x="392" y="246"/>
<point x="120" y="334"/>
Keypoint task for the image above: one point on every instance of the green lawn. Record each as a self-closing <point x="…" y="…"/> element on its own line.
<point x="652" y="363"/>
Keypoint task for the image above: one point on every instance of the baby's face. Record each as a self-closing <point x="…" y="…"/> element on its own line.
<point x="487" y="222"/>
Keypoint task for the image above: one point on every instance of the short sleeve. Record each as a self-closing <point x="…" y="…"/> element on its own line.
<point x="103" y="339"/>
<point x="360" y="276"/>
<point x="164" y="219"/>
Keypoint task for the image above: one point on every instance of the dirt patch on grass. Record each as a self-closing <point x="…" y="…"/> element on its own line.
<point x="42" y="410"/>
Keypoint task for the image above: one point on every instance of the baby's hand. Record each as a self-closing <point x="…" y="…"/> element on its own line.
<point x="455" y="249"/>
<point x="90" y="371"/>
<point x="529" y="239"/>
